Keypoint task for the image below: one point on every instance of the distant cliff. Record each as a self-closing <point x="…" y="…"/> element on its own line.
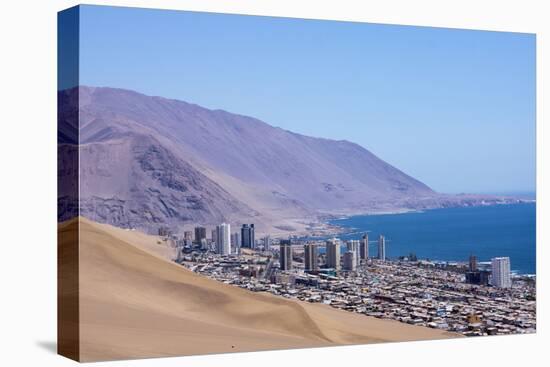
<point x="147" y="161"/>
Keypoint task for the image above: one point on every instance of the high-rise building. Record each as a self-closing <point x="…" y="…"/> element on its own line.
<point x="223" y="240"/>
<point x="473" y="263"/>
<point x="267" y="242"/>
<point x="500" y="272"/>
<point x="477" y="277"/>
<point x="382" y="248"/>
<point x="214" y="235"/>
<point x="200" y="234"/>
<point x="235" y="242"/>
<point x="353" y="245"/>
<point x="350" y="260"/>
<point x="310" y="257"/>
<point x="247" y="236"/>
<point x="364" y="249"/>
<point x="333" y="253"/>
<point x="476" y="274"/>
<point x="285" y="255"/>
<point x="484" y="276"/>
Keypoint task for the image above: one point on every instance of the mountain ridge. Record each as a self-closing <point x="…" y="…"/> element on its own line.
<point x="204" y="166"/>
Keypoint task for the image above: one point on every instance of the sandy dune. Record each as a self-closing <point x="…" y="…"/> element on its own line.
<point x="135" y="302"/>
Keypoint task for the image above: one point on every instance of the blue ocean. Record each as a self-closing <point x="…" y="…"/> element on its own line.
<point x="453" y="234"/>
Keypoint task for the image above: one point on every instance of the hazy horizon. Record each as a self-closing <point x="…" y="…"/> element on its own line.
<point x="459" y="114"/>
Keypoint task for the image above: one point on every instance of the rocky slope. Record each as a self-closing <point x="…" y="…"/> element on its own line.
<point x="147" y="161"/>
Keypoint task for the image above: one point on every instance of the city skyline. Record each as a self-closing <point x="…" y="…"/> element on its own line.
<point x="460" y="91"/>
<point x="226" y="243"/>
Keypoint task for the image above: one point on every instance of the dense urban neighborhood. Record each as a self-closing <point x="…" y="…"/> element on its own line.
<point x="471" y="298"/>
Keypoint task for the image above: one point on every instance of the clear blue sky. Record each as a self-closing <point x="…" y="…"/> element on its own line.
<point x="453" y="108"/>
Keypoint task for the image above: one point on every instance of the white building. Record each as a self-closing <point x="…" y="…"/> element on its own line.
<point x="267" y="243"/>
<point x="223" y="239"/>
<point x="364" y="249"/>
<point x="310" y="257"/>
<point x="382" y="248"/>
<point x="500" y="276"/>
<point x="235" y="243"/>
<point x="353" y="245"/>
<point x="333" y="253"/>
<point x="350" y="260"/>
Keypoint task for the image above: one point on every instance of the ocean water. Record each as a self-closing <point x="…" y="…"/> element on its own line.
<point x="453" y="234"/>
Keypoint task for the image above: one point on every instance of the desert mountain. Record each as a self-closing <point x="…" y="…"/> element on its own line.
<point x="148" y="161"/>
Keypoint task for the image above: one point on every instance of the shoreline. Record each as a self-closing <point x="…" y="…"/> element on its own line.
<point x="423" y="210"/>
<point x="342" y="230"/>
<point x="328" y="218"/>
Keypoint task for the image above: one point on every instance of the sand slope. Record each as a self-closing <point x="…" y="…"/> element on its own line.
<point x="134" y="303"/>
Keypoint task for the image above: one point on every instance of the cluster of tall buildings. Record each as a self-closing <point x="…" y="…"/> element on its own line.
<point x="223" y="241"/>
<point x="499" y="276"/>
<point x="336" y="257"/>
<point x="311" y="256"/>
<point x="356" y="250"/>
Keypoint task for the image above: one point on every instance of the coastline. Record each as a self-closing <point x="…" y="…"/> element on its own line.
<point x="326" y="218"/>
<point x="322" y="226"/>
<point x="347" y="231"/>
